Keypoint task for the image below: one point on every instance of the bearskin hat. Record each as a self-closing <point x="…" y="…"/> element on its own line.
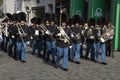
<point x="33" y="20"/>
<point x="91" y="22"/>
<point x="46" y="16"/>
<point x="101" y="21"/>
<point x="22" y="16"/>
<point x="53" y="17"/>
<point x="37" y="20"/>
<point x="82" y="21"/>
<point x="64" y="18"/>
<point x="9" y="15"/>
<point x="75" y="19"/>
<point x="14" y="17"/>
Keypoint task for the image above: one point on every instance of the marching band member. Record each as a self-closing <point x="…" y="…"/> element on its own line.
<point x="82" y="36"/>
<point x="22" y="37"/>
<point x="90" y="35"/>
<point x="99" y="44"/>
<point x="36" y="37"/>
<point x="6" y="24"/>
<point x="50" y="40"/>
<point x="62" y="41"/>
<point x="32" y="25"/>
<point x="76" y="39"/>
<point x="12" y="36"/>
<point x="109" y="43"/>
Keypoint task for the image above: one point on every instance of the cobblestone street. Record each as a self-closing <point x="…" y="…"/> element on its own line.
<point x="36" y="69"/>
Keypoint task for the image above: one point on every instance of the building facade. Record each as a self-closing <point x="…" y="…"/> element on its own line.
<point x="36" y="7"/>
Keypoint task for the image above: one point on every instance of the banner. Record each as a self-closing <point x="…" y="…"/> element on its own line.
<point x="76" y="7"/>
<point x="96" y="8"/>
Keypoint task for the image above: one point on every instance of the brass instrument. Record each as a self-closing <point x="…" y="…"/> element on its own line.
<point x="2" y="17"/>
<point x="4" y="26"/>
<point x="64" y="36"/>
<point x="76" y="36"/>
<point x="89" y="33"/>
<point x="21" y="32"/>
<point x="44" y="29"/>
<point x="106" y="36"/>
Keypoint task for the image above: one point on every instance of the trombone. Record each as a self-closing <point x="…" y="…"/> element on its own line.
<point x="21" y="32"/>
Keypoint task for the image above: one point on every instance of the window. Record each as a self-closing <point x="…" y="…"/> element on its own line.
<point x="38" y="1"/>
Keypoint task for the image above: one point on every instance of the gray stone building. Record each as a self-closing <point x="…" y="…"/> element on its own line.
<point x="31" y="7"/>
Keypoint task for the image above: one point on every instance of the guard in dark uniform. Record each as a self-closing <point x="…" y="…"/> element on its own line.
<point x="46" y="23"/>
<point x="50" y="40"/>
<point x="22" y="37"/>
<point x="109" y="43"/>
<point x="99" y="44"/>
<point x="12" y="36"/>
<point x="62" y="35"/>
<point x="5" y="32"/>
<point x="76" y="39"/>
<point x="90" y="37"/>
<point x="36" y="37"/>
<point x="32" y="25"/>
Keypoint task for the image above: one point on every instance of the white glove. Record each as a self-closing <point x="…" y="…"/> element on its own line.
<point x="102" y="40"/>
<point x="47" y="32"/>
<point x="31" y="37"/>
<point x="65" y="41"/>
<point x="59" y="34"/>
<point x="91" y="37"/>
<point x="13" y="36"/>
<point x="70" y="46"/>
<point x="82" y="32"/>
<point x="72" y="35"/>
<point x="108" y="34"/>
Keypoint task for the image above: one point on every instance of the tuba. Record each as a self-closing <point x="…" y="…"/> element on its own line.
<point x="107" y="35"/>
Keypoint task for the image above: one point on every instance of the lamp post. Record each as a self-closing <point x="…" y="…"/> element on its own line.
<point x="28" y="12"/>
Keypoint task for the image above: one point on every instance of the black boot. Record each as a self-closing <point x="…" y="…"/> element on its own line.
<point x="48" y="55"/>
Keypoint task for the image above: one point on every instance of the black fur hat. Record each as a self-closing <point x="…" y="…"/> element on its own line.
<point x="22" y="16"/>
<point x="33" y="20"/>
<point x="15" y="17"/>
<point x="64" y="18"/>
<point x="75" y="19"/>
<point x="91" y="22"/>
<point x="9" y="15"/>
<point x="101" y="21"/>
<point x="37" y="20"/>
<point x="46" y="16"/>
<point x="82" y="21"/>
<point x="53" y="17"/>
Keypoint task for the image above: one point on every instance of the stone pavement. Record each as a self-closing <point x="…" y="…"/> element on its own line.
<point x="36" y="69"/>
